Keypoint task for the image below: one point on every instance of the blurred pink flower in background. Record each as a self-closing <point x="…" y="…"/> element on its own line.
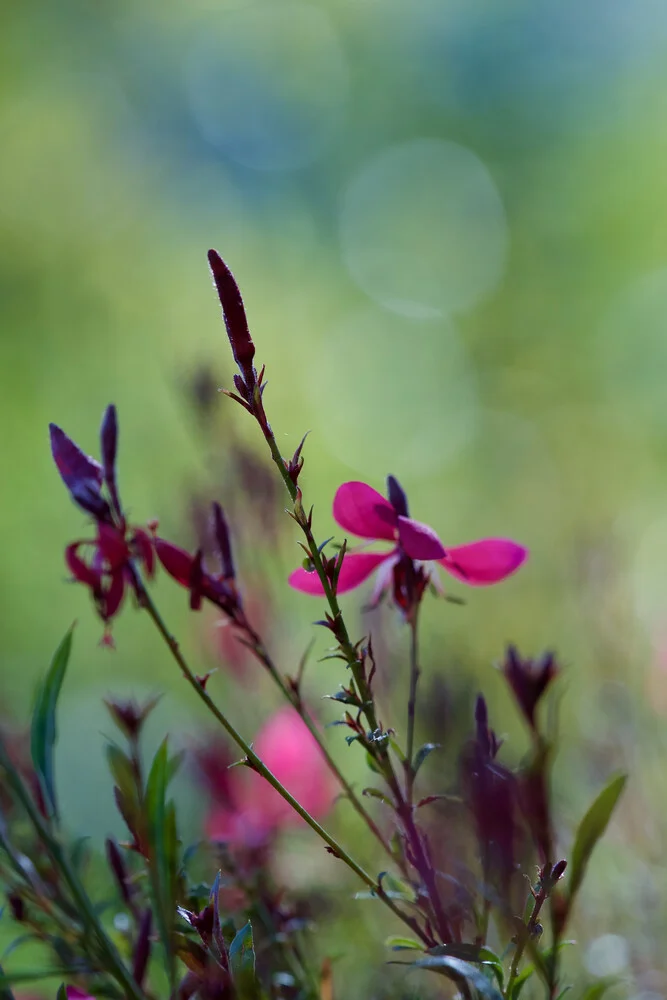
<point x="362" y="511"/>
<point x="246" y="810"/>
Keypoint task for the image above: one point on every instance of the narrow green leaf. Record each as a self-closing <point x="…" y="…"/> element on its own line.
<point x="458" y="970"/>
<point x="540" y="964"/>
<point x="242" y="963"/>
<point x="403" y="944"/>
<point x="591" y="828"/>
<point x="121" y="768"/>
<point x="597" y="990"/>
<point x="161" y="880"/>
<point x="62" y="992"/>
<point x="372" y="763"/>
<point x="422" y="754"/>
<point x="43" y="726"/>
<point x="375" y="793"/>
<point x="396" y="888"/>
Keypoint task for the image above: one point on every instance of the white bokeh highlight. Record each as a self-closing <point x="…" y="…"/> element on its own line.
<point x="423" y="229"/>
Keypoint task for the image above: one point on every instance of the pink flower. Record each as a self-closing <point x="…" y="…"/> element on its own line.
<point x="361" y="510"/>
<point x="248" y="811"/>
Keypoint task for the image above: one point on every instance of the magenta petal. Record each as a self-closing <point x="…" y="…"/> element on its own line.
<point x="357" y="567"/>
<point x="383" y="579"/>
<point x="488" y="561"/>
<point x="363" y="511"/>
<point x="418" y="540"/>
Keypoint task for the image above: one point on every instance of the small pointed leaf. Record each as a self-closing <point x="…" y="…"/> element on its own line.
<point x="43" y="726"/>
<point x="591" y="828"/>
<point x="423" y="753"/>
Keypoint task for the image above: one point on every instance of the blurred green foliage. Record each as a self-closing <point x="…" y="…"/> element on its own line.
<point x="447" y="222"/>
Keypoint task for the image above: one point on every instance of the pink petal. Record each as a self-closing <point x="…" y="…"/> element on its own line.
<point x="488" y="561"/>
<point x="363" y="511"/>
<point x="357" y="567"/>
<point x="383" y="580"/>
<point x="418" y="540"/>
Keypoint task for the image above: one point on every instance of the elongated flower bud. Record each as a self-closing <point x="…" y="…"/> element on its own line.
<point x="234" y="315"/>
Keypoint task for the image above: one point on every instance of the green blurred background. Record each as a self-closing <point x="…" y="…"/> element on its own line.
<point x="448" y="222"/>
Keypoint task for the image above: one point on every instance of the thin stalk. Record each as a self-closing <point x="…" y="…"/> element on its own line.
<point x="412" y="701"/>
<point x="346" y="645"/>
<point x="114" y="963"/>
<point x="261" y="654"/>
<point x="256" y="763"/>
<point x="524" y="937"/>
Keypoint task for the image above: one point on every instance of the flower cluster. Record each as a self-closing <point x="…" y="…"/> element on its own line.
<point x="105" y="564"/>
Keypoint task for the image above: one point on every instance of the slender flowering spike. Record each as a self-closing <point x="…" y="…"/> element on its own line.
<point x="234" y="315"/>
<point x="362" y="511"/>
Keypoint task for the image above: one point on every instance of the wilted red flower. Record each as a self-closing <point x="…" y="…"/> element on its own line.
<point x="363" y="511"/>
<point x="104" y="563"/>
<point x="245" y="809"/>
<point x="189" y="570"/>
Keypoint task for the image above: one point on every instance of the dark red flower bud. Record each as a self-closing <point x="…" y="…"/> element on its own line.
<point x="234" y="315"/>
<point x="117" y="866"/>
<point x="397" y="497"/>
<point x="558" y="870"/>
<point x="142" y="948"/>
<point x="223" y="542"/>
<point x="73" y="464"/>
<point x="81" y="474"/>
<point x="295" y="464"/>
<point x="129" y="715"/>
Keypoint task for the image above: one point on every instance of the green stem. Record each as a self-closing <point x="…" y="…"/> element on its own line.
<point x="523" y="938"/>
<point x="114" y="963"/>
<point x="337" y="849"/>
<point x="261" y="654"/>
<point x="412" y="702"/>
